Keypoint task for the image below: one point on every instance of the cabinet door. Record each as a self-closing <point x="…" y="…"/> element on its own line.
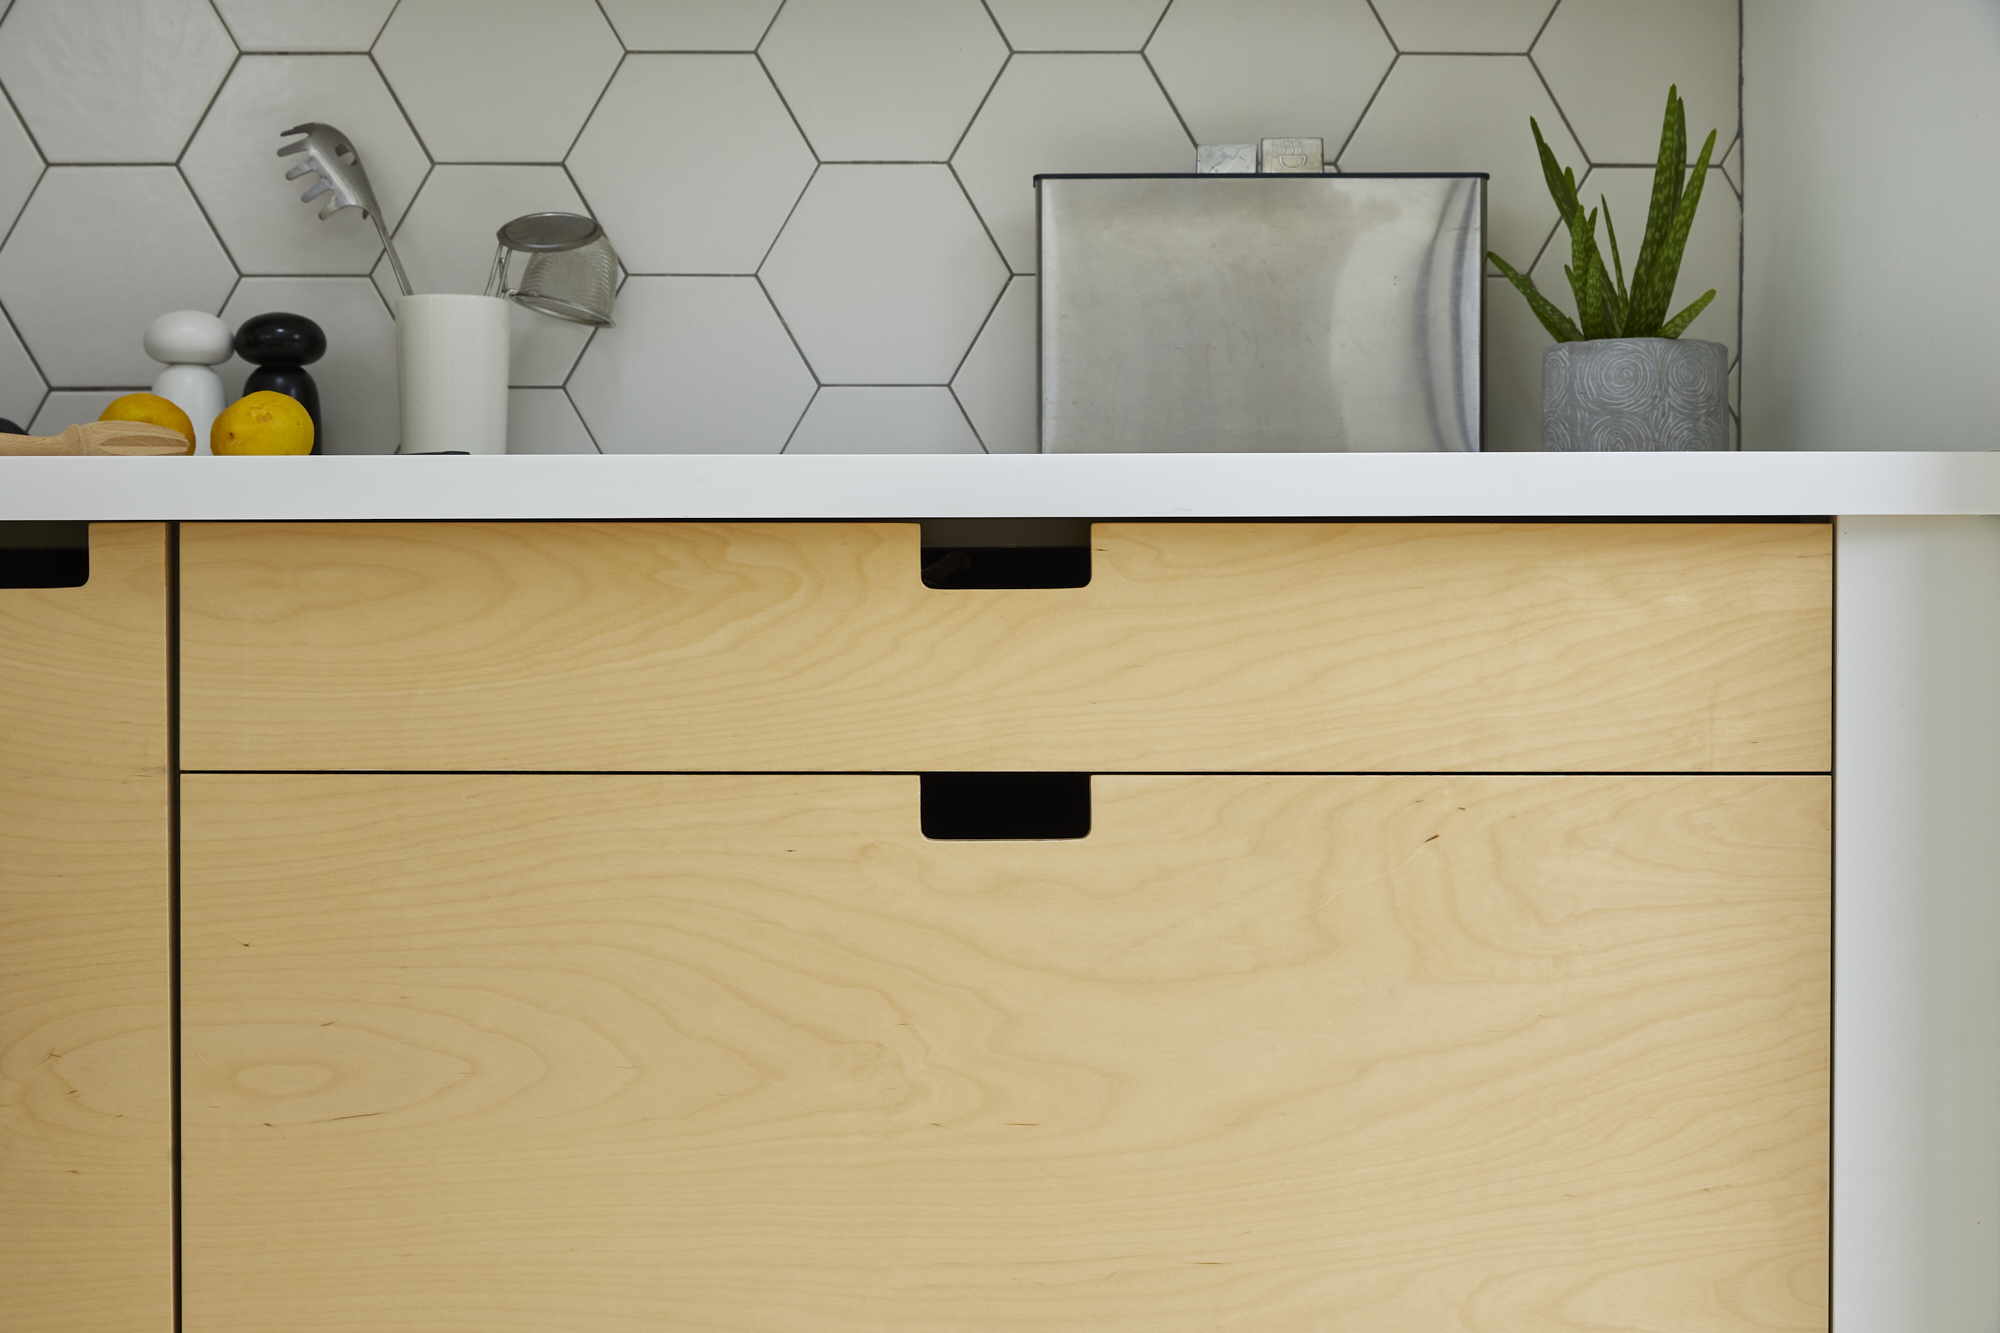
<point x="1220" y="647"/>
<point x="477" y="1052"/>
<point x="86" y="1153"/>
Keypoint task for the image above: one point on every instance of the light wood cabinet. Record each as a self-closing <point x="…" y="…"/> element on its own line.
<point x="86" y="1149"/>
<point x="749" y="1052"/>
<point x="1221" y="647"/>
<point x="560" y="946"/>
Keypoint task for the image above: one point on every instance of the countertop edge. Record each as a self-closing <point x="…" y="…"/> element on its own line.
<point x="911" y="486"/>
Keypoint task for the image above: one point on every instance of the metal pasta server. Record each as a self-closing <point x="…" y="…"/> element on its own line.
<point x="1224" y="313"/>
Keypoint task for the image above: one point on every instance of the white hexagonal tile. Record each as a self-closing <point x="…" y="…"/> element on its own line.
<point x="1712" y="257"/>
<point x="1511" y="387"/>
<point x="1051" y="114"/>
<point x="692" y="163"/>
<point x="82" y="279"/>
<point x="695" y="366"/>
<point x="21" y="387"/>
<point x="1077" y="25"/>
<point x="690" y="25"/>
<point x="357" y="376"/>
<point x="305" y="25"/>
<point x="1732" y="165"/>
<point x="884" y="274"/>
<point x="498" y="80"/>
<point x="446" y="244"/>
<point x="544" y="421"/>
<point x="1242" y="70"/>
<point x="883" y="80"/>
<point x="112" y="81"/>
<point x="883" y="421"/>
<point x="234" y="167"/>
<point x="998" y="384"/>
<point x="76" y="407"/>
<point x="1610" y="62"/>
<point x="20" y="167"/>
<point x="1470" y="113"/>
<point x="1496" y="27"/>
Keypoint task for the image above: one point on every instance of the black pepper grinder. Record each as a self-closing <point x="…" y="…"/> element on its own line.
<point x="281" y="346"/>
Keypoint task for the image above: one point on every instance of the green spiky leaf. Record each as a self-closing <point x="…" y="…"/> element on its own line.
<point x="1553" y="174"/>
<point x="1675" y="244"/>
<point x="1559" y="325"/>
<point x="1618" y="263"/>
<point x="1652" y="280"/>
<point x="1676" y="326"/>
<point x="1587" y="278"/>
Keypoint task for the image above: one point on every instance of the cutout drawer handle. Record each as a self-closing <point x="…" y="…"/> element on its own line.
<point x="992" y="807"/>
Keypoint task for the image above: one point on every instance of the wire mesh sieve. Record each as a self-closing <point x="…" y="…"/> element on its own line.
<point x="572" y="271"/>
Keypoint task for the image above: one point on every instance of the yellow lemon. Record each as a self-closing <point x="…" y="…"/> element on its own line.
<point x="154" y="411"/>
<point x="262" y="423"/>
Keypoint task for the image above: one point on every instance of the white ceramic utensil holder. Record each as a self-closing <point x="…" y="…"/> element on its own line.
<point x="451" y="354"/>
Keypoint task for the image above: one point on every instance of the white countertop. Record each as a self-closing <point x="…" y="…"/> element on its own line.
<point x="910" y="486"/>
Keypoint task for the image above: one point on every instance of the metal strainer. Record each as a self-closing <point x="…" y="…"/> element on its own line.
<point x="572" y="270"/>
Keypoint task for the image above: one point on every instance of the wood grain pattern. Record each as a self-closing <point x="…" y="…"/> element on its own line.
<point x="1197" y="647"/>
<point x="86" y="1238"/>
<point x="747" y="1053"/>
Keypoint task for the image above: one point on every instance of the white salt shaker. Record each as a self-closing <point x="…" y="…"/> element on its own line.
<point x="191" y="341"/>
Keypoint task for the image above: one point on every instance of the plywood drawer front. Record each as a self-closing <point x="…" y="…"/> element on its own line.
<point x="748" y="1052"/>
<point x="1218" y="647"/>
<point x="86" y="1156"/>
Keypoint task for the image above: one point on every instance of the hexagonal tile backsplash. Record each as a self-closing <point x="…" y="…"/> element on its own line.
<point x="820" y="201"/>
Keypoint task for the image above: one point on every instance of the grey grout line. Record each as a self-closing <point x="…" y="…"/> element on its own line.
<point x="7" y="231"/>
<point x="591" y="115"/>
<point x="1005" y="40"/>
<point x="208" y="220"/>
<point x="570" y="398"/>
<point x="1555" y="102"/>
<point x="1547" y="18"/>
<point x="401" y="110"/>
<point x="1154" y="31"/>
<point x="765" y="35"/>
<point x="26" y="128"/>
<point x="387" y="19"/>
<point x="793" y="433"/>
<point x="991" y="311"/>
<point x="1393" y="45"/>
<point x="985" y="97"/>
<point x="1367" y="106"/>
<point x="797" y="346"/>
<point x="779" y="234"/>
<point x="214" y="96"/>
<point x="617" y="36"/>
<point x="784" y="101"/>
<point x="35" y="364"/>
<point x="1172" y="105"/>
<point x="991" y="239"/>
<point x="970" y="424"/>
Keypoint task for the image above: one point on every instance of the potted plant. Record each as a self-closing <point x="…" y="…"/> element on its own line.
<point x="1620" y="376"/>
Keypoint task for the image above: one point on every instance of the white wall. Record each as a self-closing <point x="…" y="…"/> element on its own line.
<point x="1916" y="1103"/>
<point x="1871" y="272"/>
<point x="824" y="207"/>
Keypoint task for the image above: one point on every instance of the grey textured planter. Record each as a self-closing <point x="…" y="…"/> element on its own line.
<point x="1624" y="395"/>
